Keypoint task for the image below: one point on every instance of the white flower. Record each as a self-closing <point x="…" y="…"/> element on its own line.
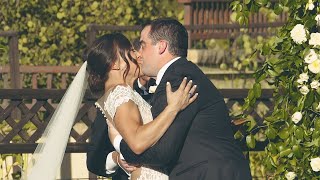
<point x="298" y="34"/>
<point x="311" y="56"/>
<point x="152" y="89"/>
<point x="314" y="66"/>
<point x="315" y="84"/>
<point x="304" y="77"/>
<point x="304" y="90"/>
<point x="311" y="129"/>
<point x="296" y="117"/>
<point x="291" y="175"/>
<point x="310" y="5"/>
<point x="314" y="39"/>
<point x="300" y="81"/>
<point x="317" y="18"/>
<point x="315" y="164"/>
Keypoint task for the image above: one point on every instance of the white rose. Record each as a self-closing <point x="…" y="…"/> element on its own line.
<point x="300" y="81"/>
<point x="314" y="39"/>
<point x="315" y="164"/>
<point x="315" y="84"/>
<point x="310" y="5"/>
<point x="304" y="90"/>
<point x="317" y="18"/>
<point x="314" y="67"/>
<point x="311" y="56"/>
<point x="298" y="34"/>
<point x="296" y="117"/>
<point x="304" y="77"/>
<point x="291" y="175"/>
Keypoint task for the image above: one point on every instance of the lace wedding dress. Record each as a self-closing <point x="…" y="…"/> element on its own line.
<point x="108" y="105"/>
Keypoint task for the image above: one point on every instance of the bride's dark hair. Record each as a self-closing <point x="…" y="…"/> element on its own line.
<point x="100" y="57"/>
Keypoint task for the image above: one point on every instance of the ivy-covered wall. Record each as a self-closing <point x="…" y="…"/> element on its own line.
<point x="54" y="32"/>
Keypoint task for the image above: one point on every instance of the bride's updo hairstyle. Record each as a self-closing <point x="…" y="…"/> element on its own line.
<point x="101" y="56"/>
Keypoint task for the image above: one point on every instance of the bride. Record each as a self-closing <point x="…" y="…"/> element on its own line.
<point x="112" y="68"/>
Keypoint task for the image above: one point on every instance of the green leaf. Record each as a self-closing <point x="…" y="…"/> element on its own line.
<point x="272" y="73"/>
<point x="284" y="133"/>
<point x="261" y="2"/>
<point x="281" y="168"/>
<point x="251" y="142"/>
<point x="246" y="1"/>
<point x="299" y="133"/>
<point x="309" y="100"/>
<point x="297" y="151"/>
<point x="285" y="152"/>
<point x="252" y="124"/>
<point x="317" y="123"/>
<point x="272" y="148"/>
<point x="257" y="89"/>
<point x="251" y="94"/>
<point x="240" y="19"/>
<point x="278" y="8"/>
<point x="271" y="133"/>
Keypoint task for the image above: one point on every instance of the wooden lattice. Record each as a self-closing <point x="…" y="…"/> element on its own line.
<point x="24" y="108"/>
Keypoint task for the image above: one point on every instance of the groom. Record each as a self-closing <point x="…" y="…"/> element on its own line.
<point x="199" y="144"/>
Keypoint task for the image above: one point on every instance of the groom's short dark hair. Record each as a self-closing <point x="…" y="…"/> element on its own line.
<point x="172" y="31"/>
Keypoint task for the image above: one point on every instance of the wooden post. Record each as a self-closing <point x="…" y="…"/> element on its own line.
<point x="14" y="61"/>
<point x="188" y="16"/>
<point x="91" y="34"/>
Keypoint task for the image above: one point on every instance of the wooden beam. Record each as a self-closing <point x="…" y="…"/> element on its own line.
<point x="57" y="94"/>
<point x="8" y="33"/>
<point x="30" y="147"/>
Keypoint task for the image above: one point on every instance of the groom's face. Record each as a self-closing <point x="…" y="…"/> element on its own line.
<point x="148" y="53"/>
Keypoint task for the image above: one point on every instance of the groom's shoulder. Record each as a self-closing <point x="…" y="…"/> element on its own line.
<point x="184" y="65"/>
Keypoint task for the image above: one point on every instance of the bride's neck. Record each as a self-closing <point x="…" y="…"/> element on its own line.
<point x="112" y="83"/>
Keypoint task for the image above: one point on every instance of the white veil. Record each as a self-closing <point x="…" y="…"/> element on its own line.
<point x="49" y="153"/>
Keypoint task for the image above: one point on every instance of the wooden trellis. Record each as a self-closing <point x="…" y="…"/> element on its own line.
<point x="19" y="139"/>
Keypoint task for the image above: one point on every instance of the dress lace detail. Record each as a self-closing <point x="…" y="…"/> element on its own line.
<point x="120" y="95"/>
<point x="109" y="103"/>
<point x="152" y="174"/>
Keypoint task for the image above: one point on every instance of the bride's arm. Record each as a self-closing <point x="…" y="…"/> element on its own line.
<point x="139" y="137"/>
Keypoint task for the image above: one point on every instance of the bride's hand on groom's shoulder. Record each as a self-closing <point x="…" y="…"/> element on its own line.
<point x="183" y="96"/>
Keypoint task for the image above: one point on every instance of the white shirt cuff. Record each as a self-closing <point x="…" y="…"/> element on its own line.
<point x="111" y="166"/>
<point x="116" y="143"/>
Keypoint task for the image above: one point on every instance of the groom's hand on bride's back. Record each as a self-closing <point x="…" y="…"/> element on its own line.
<point x="129" y="168"/>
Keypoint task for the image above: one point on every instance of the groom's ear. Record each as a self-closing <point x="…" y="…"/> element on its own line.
<point x="162" y="46"/>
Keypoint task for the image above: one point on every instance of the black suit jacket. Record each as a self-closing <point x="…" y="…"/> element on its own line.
<point x="199" y="144"/>
<point x="100" y="145"/>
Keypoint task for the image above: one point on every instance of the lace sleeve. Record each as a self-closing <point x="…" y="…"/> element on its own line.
<point x="120" y="95"/>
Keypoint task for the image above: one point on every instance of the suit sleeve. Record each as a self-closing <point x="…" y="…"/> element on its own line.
<point x="99" y="147"/>
<point x="167" y="149"/>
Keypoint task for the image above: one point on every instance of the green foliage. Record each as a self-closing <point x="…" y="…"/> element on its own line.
<point x="293" y="127"/>
<point x="54" y="32"/>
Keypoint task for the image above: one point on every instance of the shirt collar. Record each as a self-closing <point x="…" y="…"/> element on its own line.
<point x="163" y="70"/>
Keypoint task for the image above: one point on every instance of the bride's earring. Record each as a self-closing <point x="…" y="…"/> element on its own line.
<point x="116" y="67"/>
